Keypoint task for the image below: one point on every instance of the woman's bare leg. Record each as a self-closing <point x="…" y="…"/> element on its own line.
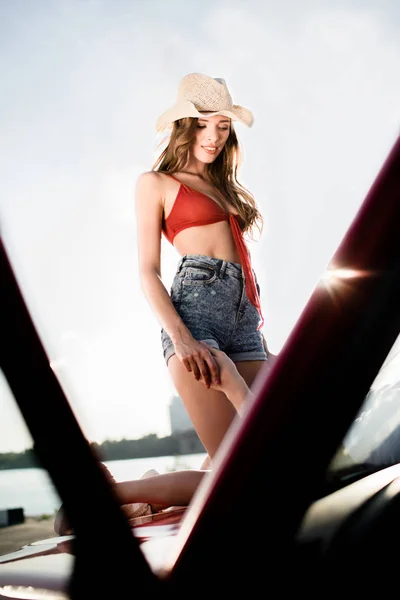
<point x="165" y="489"/>
<point x="210" y="411"/>
<point x="162" y="490"/>
<point x="249" y="369"/>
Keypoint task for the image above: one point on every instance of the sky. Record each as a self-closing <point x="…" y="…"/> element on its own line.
<point x="83" y="83"/>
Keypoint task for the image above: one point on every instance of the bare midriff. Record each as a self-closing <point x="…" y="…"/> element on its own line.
<point x="213" y="240"/>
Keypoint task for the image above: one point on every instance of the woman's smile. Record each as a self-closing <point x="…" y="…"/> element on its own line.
<point x="210" y="149"/>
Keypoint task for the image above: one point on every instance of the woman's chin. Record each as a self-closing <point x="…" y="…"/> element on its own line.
<point x="207" y="159"/>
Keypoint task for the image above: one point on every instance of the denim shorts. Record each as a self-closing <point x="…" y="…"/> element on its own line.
<point x="209" y="295"/>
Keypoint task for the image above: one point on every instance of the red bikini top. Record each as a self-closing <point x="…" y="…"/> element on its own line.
<point x="193" y="209"/>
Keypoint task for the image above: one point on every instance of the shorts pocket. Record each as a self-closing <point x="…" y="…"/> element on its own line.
<point x="202" y="275"/>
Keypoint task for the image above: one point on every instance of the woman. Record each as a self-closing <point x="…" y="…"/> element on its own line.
<point x="193" y="198"/>
<point x="154" y="491"/>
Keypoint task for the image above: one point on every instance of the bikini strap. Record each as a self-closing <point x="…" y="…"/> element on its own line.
<point x="173" y="177"/>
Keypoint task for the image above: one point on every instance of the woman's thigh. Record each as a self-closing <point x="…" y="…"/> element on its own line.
<point x="210" y="411"/>
<point x="249" y="369"/>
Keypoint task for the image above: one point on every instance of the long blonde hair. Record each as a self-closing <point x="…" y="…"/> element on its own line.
<point x="222" y="173"/>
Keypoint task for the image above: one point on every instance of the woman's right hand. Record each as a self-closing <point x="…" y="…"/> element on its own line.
<point x="197" y="359"/>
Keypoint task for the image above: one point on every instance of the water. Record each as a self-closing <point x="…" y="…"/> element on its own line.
<point x="33" y="490"/>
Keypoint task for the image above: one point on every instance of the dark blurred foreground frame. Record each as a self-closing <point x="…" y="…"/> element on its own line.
<point x="274" y="463"/>
<point x="238" y="534"/>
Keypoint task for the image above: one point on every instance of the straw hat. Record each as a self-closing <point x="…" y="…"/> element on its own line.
<point x="200" y="95"/>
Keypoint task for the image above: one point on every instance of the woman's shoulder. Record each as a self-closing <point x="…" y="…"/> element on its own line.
<point x="149" y="183"/>
<point x="155" y="181"/>
<point x="154" y="187"/>
<point x="149" y="178"/>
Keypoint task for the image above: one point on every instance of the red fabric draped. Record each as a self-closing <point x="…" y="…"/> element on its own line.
<point x="250" y="283"/>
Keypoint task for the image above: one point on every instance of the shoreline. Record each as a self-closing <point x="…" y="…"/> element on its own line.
<point x="14" y="537"/>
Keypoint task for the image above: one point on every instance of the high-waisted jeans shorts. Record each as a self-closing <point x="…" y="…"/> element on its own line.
<point x="209" y="295"/>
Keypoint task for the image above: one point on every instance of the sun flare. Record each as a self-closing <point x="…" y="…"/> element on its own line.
<point x="331" y="275"/>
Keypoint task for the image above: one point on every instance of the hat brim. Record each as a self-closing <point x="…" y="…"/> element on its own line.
<point x="183" y="109"/>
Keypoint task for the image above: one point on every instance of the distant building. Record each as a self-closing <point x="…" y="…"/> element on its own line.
<point x="182" y="427"/>
<point x="178" y="417"/>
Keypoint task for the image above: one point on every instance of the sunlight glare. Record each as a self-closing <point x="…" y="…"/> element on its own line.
<point x="331" y="274"/>
<point x="57" y="363"/>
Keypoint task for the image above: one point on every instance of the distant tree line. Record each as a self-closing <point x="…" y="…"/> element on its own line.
<point x="22" y="460"/>
<point x="181" y="443"/>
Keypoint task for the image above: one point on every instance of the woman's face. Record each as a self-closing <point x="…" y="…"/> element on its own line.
<point x="210" y="137"/>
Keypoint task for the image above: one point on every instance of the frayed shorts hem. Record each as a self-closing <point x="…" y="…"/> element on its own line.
<point x="170" y="350"/>
<point x="235" y="356"/>
<point x="242" y="356"/>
